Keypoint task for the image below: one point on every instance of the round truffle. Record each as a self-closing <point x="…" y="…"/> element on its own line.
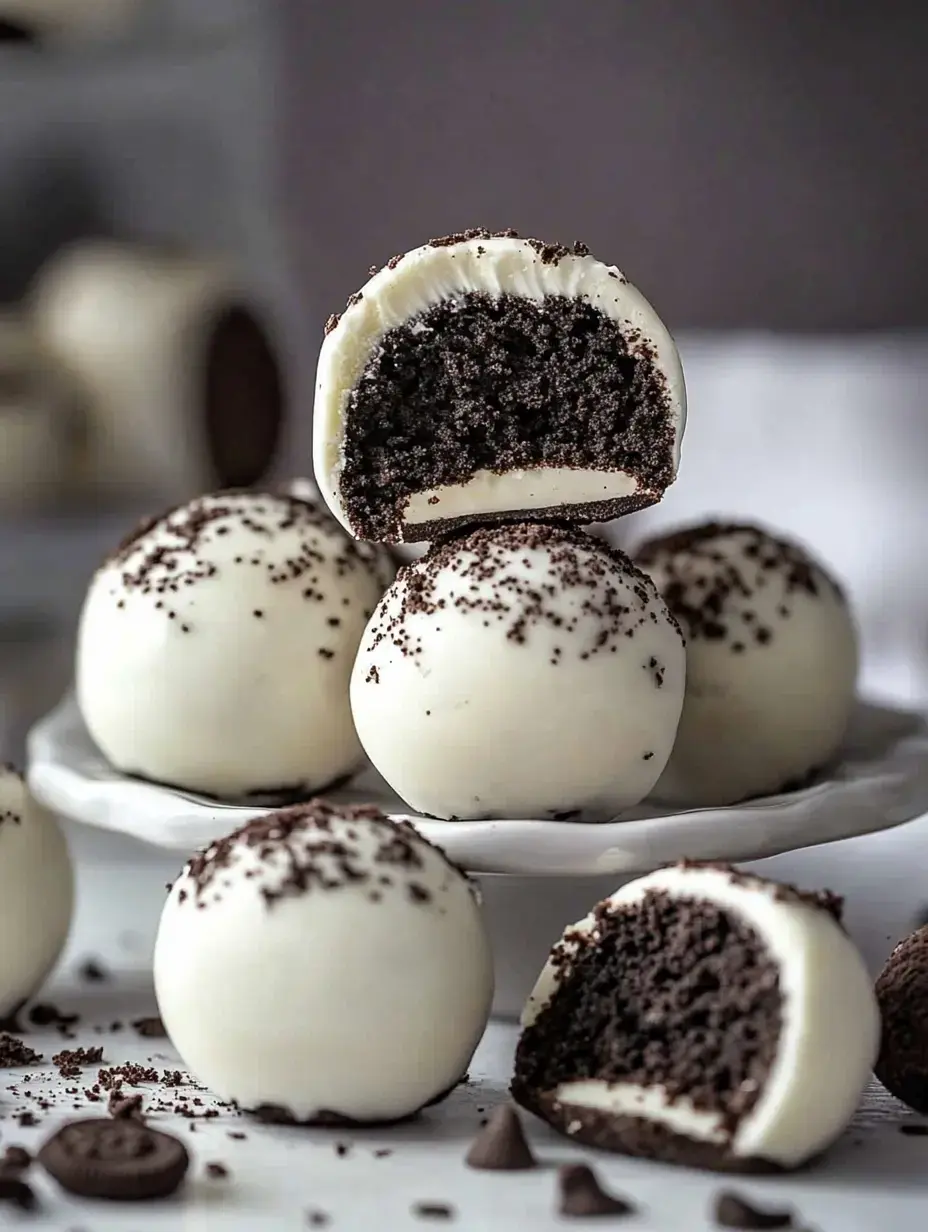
<point x="215" y="647"/>
<point x="521" y="671"/>
<point x="701" y="1016"/>
<point x="487" y="377"/>
<point x="902" y="993"/>
<point x="324" y="965"/>
<point x="771" y="662"/>
<point x="36" y="892"/>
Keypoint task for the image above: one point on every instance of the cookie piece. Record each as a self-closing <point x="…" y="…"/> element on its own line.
<point x="121" y="1160"/>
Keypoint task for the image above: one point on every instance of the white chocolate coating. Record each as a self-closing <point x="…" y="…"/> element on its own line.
<point x="429" y="275"/>
<point x="771" y="668"/>
<point x="36" y="892"/>
<point x="134" y="328"/>
<point x="214" y="652"/>
<point x="829" y="1034"/>
<point x="364" y="997"/>
<point x="541" y="675"/>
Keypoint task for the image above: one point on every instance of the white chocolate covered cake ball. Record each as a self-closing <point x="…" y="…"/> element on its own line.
<point x="486" y="377"/>
<point x="216" y="644"/>
<point x="702" y="1016"/>
<point x="521" y="671"/>
<point x="324" y="965"/>
<point x="771" y="662"/>
<point x="36" y="892"/>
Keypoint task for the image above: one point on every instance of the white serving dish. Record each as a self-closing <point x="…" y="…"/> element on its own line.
<point x="537" y="876"/>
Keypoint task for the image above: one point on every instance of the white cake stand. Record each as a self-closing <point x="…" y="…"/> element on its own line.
<point x="536" y="876"/>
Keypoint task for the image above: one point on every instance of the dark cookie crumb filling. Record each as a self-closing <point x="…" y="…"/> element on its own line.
<point x="710" y="593"/>
<point x="670" y="992"/>
<point x="488" y="587"/>
<point x="501" y="383"/>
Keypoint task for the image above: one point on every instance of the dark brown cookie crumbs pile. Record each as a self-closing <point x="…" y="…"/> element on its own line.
<point x="582" y="1196"/>
<point x="71" y="1061"/>
<point x="670" y="992"/>
<point x="710" y="592"/>
<point x="300" y="851"/>
<point x="14" y="1053"/>
<point x="902" y="995"/>
<point x="502" y="383"/>
<point x="485" y="584"/>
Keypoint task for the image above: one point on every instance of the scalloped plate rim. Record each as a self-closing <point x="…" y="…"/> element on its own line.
<point x="867" y="794"/>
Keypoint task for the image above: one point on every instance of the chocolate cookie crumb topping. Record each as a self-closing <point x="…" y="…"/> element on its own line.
<point x="300" y="851"/>
<point x="433" y="1210"/>
<point x="501" y="383"/>
<point x="576" y="565"/>
<point x="150" y="1028"/>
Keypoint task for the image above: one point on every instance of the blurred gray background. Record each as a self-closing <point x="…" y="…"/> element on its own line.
<point x="747" y="163"/>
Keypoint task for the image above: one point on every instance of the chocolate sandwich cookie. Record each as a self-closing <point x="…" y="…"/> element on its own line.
<point x="701" y="1016"/>
<point x="488" y="377"/>
<point x="120" y="1160"/>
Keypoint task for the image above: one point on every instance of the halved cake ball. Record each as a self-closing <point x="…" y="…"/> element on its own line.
<point x="216" y="644"/>
<point x="36" y="892"/>
<point x="702" y="1016"/>
<point x="771" y="661"/>
<point x="487" y="377"/>
<point x="324" y="965"/>
<point x="523" y="671"/>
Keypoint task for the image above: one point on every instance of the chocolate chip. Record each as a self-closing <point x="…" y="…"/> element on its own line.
<point x="733" y="1211"/>
<point x="17" y="1192"/>
<point x="581" y="1194"/>
<point x="120" y="1160"/>
<point x="501" y="1145"/>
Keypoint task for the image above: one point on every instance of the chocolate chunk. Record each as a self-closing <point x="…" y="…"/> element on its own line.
<point x="93" y="972"/>
<point x="732" y="1211"/>
<point x="217" y="1171"/>
<point x="15" y="1159"/>
<point x="433" y="1210"/>
<point x="582" y="1195"/>
<point x="150" y="1028"/>
<point x="17" y="1192"/>
<point x="501" y="1146"/>
<point x="120" y="1160"/>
